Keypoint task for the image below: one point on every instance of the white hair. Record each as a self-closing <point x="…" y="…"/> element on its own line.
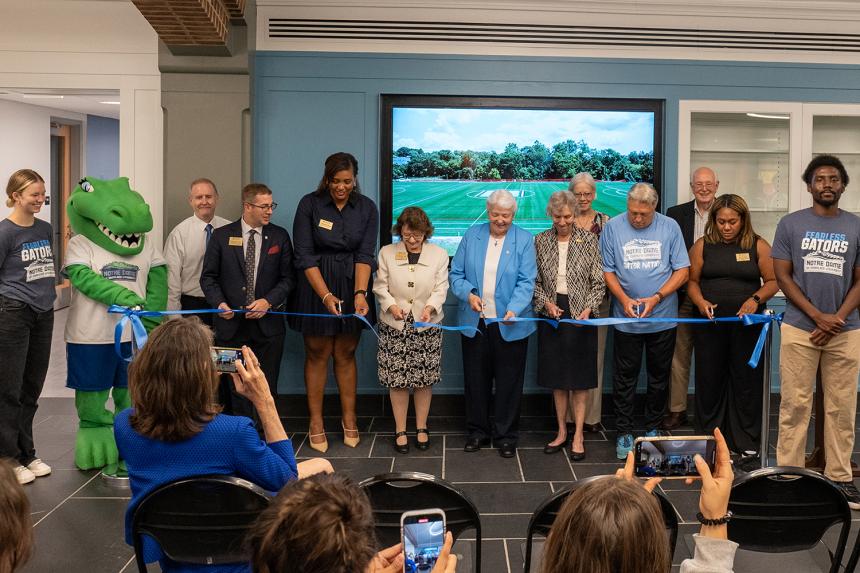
<point x="501" y="199"/>
<point x="643" y="193"/>
<point x="582" y="177"/>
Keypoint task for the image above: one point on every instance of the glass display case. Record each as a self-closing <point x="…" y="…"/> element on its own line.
<point x="836" y="131"/>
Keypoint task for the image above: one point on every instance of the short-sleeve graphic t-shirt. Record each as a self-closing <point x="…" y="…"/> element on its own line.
<point x="643" y="260"/>
<point x="89" y="321"/>
<point x="27" y="264"/>
<point x="823" y="252"/>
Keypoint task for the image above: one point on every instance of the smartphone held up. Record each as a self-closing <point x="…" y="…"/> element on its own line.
<point x="423" y="534"/>
<point x="225" y="358"/>
<point x="672" y="456"/>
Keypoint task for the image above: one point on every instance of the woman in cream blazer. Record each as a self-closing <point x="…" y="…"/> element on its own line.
<point x="411" y="285"/>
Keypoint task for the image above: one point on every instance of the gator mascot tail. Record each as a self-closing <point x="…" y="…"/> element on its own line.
<point x="108" y="261"/>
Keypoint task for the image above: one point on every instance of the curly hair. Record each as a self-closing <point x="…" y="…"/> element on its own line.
<point x="416" y="219"/>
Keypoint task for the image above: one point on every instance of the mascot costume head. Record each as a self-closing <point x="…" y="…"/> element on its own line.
<point x="108" y="261"/>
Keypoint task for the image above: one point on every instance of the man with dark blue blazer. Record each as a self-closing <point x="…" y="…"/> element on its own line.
<point x="249" y="265"/>
<point x="691" y="217"/>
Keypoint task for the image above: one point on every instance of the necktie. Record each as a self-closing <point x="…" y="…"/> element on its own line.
<point x="250" y="258"/>
<point x="209" y="229"/>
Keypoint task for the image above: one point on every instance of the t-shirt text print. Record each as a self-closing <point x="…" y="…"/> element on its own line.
<point x="642" y="254"/>
<point x="827" y="252"/>
<point x="42" y="257"/>
<point x="120" y="271"/>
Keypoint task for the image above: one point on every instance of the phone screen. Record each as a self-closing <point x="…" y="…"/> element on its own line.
<point x="423" y="537"/>
<point x="672" y="457"/>
<point x="225" y="358"/>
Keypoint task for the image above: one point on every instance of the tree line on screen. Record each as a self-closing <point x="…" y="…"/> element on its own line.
<point x="535" y="161"/>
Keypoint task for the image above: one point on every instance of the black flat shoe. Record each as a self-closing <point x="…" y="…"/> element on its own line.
<point x="475" y="444"/>
<point x="404" y="449"/>
<point x="550" y="449"/>
<point x="577" y="456"/>
<point x="591" y="428"/>
<point x="507" y="450"/>
<point x="419" y="444"/>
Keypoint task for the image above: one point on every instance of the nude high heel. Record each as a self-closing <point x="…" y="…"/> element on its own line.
<point x="322" y="446"/>
<point x="348" y="441"/>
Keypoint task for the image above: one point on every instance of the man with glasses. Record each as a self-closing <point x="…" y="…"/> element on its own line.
<point x="249" y="266"/>
<point x="691" y="217"/>
<point x="185" y="247"/>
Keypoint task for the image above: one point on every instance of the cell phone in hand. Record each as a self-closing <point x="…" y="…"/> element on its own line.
<point x="672" y="456"/>
<point x="423" y="533"/>
<point x="225" y="358"/>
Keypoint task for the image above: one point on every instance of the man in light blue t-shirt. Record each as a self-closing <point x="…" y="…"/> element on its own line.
<point x="644" y="263"/>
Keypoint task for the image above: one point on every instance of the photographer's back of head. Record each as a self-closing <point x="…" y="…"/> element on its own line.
<point x="16" y="531"/>
<point x="608" y="526"/>
<point x="321" y="524"/>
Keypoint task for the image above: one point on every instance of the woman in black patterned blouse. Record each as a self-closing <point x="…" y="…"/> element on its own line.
<point x="569" y="285"/>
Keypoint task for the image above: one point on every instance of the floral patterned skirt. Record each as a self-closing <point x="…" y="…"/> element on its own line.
<point x="409" y="358"/>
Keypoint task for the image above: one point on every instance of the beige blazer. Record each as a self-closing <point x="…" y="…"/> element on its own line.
<point x="411" y="287"/>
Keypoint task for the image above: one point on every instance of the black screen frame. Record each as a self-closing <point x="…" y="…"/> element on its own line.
<point x="390" y="101"/>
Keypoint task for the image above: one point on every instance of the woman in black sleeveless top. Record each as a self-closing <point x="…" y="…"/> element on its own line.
<point x="731" y="274"/>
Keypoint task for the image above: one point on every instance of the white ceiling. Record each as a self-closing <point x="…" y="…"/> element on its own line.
<point x="79" y="101"/>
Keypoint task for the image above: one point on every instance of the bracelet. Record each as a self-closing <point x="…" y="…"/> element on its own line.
<point x="328" y="294"/>
<point x="659" y="296"/>
<point x="360" y="292"/>
<point x="711" y="522"/>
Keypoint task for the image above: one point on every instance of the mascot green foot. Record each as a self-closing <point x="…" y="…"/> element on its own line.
<point x="95" y="446"/>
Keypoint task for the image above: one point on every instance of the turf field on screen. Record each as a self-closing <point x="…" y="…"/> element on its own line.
<point x="454" y="206"/>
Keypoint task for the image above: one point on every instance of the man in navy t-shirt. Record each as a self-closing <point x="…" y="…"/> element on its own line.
<point x="644" y="262"/>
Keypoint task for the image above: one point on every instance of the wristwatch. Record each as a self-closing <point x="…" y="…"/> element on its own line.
<point x="756" y="298"/>
<point x="360" y="292"/>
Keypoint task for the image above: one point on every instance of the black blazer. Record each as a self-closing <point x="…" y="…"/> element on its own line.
<point x="685" y="216"/>
<point x="223" y="276"/>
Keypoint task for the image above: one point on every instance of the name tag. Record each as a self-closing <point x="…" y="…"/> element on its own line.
<point x="401" y="256"/>
<point x="742" y="257"/>
<point x="235" y="241"/>
<point x="327" y="225"/>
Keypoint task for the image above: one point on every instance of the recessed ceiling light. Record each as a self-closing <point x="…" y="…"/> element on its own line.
<point x="41" y="96"/>
<point x="767" y="116"/>
<point x="110" y="102"/>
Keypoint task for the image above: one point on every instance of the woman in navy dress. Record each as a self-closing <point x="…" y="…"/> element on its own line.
<point x="334" y="235"/>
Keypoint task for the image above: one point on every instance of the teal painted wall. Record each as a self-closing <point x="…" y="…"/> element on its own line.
<point x="306" y="106"/>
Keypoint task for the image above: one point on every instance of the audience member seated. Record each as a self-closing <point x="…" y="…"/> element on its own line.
<point x="174" y="429"/>
<point x="16" y="531"/>
<point x="324" y="524"/>
<point x="615" y="525"/>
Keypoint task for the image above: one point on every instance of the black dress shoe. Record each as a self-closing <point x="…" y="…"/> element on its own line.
<point x="475" y="444"/>
<point x="577" y="456"/>
<point x="404" y="449"/>
<point x="422" y="445"/>
<point x="550" y="449"/>
<point x="507" y="450"/>
<point x="674" y="420"/>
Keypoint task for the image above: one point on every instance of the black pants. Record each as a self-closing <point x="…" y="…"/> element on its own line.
<point x="728" y="391"/>
<point x="188" y="302"/>
<point x="659" y="347"/>
<point x="25" y="349"/>
<point x="268" y="350"/>
<point x="487" y="357"/>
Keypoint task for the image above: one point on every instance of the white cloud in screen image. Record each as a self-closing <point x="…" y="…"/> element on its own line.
<point x="433" y="129"/>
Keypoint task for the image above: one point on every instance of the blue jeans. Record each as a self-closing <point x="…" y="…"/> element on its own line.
<point x="25" y="350"/>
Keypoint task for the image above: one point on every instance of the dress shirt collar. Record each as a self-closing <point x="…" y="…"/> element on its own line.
<point x="200" y="223"/>
<point x="246" y="227"/>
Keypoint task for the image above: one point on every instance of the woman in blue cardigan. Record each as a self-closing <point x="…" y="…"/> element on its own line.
<point x="174" y="429"/>
<point x="493" y="274"/>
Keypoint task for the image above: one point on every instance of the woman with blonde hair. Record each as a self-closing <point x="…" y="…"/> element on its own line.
<point x="27" y="281"/>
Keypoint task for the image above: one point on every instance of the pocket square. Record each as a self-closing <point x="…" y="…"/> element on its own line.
<point x="273" y="250"/>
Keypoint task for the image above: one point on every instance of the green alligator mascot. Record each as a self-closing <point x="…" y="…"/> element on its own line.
<point x="108" y="261"/>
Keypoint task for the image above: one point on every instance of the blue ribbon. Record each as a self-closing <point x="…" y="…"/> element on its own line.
<point x="138" y="331"/>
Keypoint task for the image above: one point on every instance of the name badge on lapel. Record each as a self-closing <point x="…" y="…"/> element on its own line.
<point x="327" y="225"/>
<point x="235" y="241"/>
<point x="401" y="256"/>
<point x="742" y="257"/>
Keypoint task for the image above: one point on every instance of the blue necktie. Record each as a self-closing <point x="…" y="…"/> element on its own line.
<point x="209" y="229"/>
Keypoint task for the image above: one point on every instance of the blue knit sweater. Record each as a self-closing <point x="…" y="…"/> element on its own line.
<point x="228" y="445"/>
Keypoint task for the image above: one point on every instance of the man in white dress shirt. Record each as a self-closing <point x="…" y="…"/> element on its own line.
<point x="185" y="247"/>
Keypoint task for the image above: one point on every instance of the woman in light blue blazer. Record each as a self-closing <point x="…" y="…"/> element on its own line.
<point x="493" y="274"/>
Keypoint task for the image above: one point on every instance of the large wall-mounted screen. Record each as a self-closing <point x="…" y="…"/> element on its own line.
<point x="447" y="154"/>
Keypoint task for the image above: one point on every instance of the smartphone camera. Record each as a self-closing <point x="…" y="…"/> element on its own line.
<point x="672" y="456"/>
<point x="423" y="534"/>
<point x="225" y="358"/>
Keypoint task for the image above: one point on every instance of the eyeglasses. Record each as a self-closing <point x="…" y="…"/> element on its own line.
<point x="412" y="236"/>
<point x="271" y="207"/>
<point x="582" y="195"/>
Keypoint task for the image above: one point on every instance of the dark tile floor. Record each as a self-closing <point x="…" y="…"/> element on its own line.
<point x="79" y="519"/>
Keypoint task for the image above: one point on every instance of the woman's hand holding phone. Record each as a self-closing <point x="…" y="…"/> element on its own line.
<point x="249" y="379"/>
<point x="390" y="560"/>
<point x="716" y="487"/>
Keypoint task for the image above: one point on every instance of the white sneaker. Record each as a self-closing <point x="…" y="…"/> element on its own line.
<point x="39" y="468"/>
<point x="24" y="475"/>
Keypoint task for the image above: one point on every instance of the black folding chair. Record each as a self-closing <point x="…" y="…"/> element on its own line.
<point x="394" y="493"/>
<point x="199" y="520"/>
<point x="786" y="509"/>
<point x="544" y="517"/>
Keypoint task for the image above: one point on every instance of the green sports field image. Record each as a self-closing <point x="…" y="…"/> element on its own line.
<point x="454" y="206"/>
